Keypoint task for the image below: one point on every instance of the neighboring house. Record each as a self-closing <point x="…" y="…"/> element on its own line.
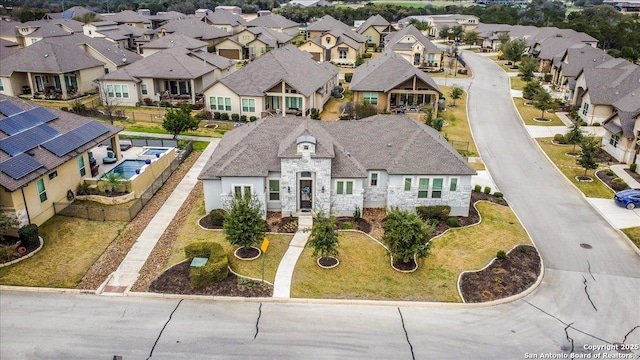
<point x="623" y="129"/>
<point x="176" y="75"/>
<point x="225" y="21"/>
<point x="44" y="156"/>
<point x="70" y="13"/>
<point x="276" y="22"/>
<point x="375" y="30"/>
<point x="252" y="43"/>
<point x="172" y="41"/>
<point x="162" y="17"/>
<point x="575" y="59"/>
<point x="8" y="48"/>
<point x="532" y="35"/>
<point x="195" y="29"/>
<point x="50" y="69"/>
<point x="33" y="31"/>
<point x="125" y="36"/>
<point x="437" y="22"/>
<point x="296" y="166"/>
<point x="624" y="5"/>
<point x="9" y="30"/>
<point x="281" y="81"/>
<point x="129" y="17"/>
<point x="102" y="50"/>
<point x="551" y="49"/>
<point x="391" y="83"/>
<point x="599" y="88"/>
<point x="333" y="41"/>
<point x="308" y="3"/>
<point x="232" y="9"/>
<point x="414" y="47"/>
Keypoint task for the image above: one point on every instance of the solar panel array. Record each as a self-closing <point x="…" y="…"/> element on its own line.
<point x="19" y="166"/>
<point x="68" y="15"/>
<point x="7" y="108"/>
<point x="28" y="139"/>
<point x="75" y="138"/>
<point x="25" y="120"/>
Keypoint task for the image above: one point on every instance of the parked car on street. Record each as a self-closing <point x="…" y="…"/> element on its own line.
<point x="629" y="199"/>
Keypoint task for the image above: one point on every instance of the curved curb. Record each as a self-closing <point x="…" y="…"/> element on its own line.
<point x="364" y="233"/>
<point x="328" y="267"/>
<point x="511" y="298"/>
<point x="26" y="256"/>
<point x="415" y="260"/>
<point x="235" y="253"/>
<point x="246" y="277"/>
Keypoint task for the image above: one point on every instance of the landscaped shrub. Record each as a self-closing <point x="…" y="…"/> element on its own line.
<point x="596" y="124"/>
<point x="165" y="103"/>
<point x="487" y="190"/>
<point x="217" y="216"/>
<point x="198" y="249"/>
<point x="357" y="214"/>
<point x="366" y="55"/>
<point x="147" y="101"/>
<point x="477" y="188"/>
<point x="433" y="212"/>
<point x="618" y="184"/>
<point x="243" y="118"/>
<point x="64" y="108"/>
<point x="224" y="116"/>
<point x="498" y="194"/>
<point x="78" y="107"/>
<point x="347" y="226"/>
<point x="453" y="222"/>
<point x="216" y="115"/>
<point x="253" y="118"/>
<point x="548" y="77"/>
<point x="437" y="123"/>
<point x="501" y="255"/>
<point x="633" y="167"/>
<point x="610" y="172"/>
<point x="560" y="139"/>
<point x="348" y="77"/>
<point x="205" y="114"/>
<point x="235" y="117"/>
<point x="8" y="253"/>
<point x="315" y="114"/>
<point x="29" y="235"/>
<point x="216" y="268"/>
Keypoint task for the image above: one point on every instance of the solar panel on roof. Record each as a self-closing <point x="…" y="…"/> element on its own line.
<point x="19" y="166"/>
<point x="75" y="138"/>
<point x="67" y="14"/>
<point x="28" y="139"/>
<point x="7" y="108"/>
<point x="18" y="123"/>
<point x="41" y="114"/>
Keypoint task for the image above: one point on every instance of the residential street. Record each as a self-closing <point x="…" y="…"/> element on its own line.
<point x="588" y="296"/>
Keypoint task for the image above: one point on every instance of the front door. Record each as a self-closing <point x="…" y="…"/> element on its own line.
<point x="39" y="86"/>
<point x="306" y="195"/>
<point x="416" y="59"/>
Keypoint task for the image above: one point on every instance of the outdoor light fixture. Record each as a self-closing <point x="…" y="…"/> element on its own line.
<point x="322" y="188"/>
<point x="289" y="189"/>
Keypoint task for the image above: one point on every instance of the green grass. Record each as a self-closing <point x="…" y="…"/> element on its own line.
<point x="365" y="272"/>
<point x="156" y="128"/>
<point x="458" y="128"/>
<point x="528" y="112"/>
<point x="633" y="234"/>
<point x="192" y="232"/>
<point x="517" y="83"/>
<point x="200" y="145"/>
<point x="71" y="246"/>
<point x="571" y="169"/>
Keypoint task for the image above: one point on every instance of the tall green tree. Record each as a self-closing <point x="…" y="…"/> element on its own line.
<point x="531" y="89"/>
<point x="406" y="235"/>
<point x="179" y="120"/>
<point x="456" y="93"/>
<point x="574" y="135"/>
<point x="514" y="50"/>
<point x="503" y="38"/>
<point x="444" y="32"/>
<point x="457" y="32"/>
<point x="324" y="236"/>
<point x="244" y="225"/>
<point x="542" y="101"/>
<point x="527" y="67"/>
<point x="471" y="37"/>
<point x="588" y="158"/>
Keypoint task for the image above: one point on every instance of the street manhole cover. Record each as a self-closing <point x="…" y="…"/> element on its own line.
<point x="586" y="246"/>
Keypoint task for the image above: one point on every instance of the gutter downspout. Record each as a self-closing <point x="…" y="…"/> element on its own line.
<point x="25" y="205"/>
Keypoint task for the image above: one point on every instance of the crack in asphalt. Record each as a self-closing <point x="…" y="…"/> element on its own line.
<point x="569" y="339"/>
<point x="629" y="333"/>
<point x="589" y="264"/>
<point x="586" y="291"/>
<point x="165" y="325"/>
<point x="258" y="321"/>
<point x="406" y="334"/>
<point x="570" y="325"/>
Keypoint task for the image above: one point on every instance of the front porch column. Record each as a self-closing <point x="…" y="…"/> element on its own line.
<point x="389" y="102"/>
<point x="63" y="86"/>
<point x="193" y="91"/>
<point x="31" y="88"/>
<point x="284" y="103"/>
<point x="115" y="146"/>
<point x="304" y="108"/>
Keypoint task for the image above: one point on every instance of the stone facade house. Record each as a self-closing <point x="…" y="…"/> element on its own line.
<point x="333" y="41"/>
<point x="375" y="29"/>
<point x="281" y="81"/>
<point x="251" y="43"/>
<point x="391" y="83"/>
<point x="623" y="128"/>
<point x="415" y="48"/>
<point x="298" y="165"/>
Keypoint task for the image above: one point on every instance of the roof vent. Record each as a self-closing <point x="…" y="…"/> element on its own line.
<point x="124" y="59"/>
<point x="46" y="55"/>
<point x="389" y="145"/>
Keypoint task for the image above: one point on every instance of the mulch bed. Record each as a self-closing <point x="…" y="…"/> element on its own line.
<point x="206" y="223"/>
<point x="12" y="241"/>
<point x="608" y="179"/>
<point x="473" y="217"/>
<point x="347" y="222"/>
<point x="247" y="253"/>
<point x="405" y="266"/>
<point x="328" y="261"/>
<point x="176" y="281"/>
<point x="503" y="278"/>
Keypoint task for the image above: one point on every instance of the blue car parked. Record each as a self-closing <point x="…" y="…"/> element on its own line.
<point x="629" y="199"/>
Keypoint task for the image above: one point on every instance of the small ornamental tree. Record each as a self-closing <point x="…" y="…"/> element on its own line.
<point x="471" y="37"/>
<point x="588" y="157"/>
<point x="514" y="50"/>
<point x="542" y="101"/>
<point x="244" y="225"/>
<point x="456" y="93"/>
<point x="457" y="32"/>
<point x="324" y="236"/>
<point x="406" y="235"/>
<point x="443" y="33"/>
<point x="427" y="117"/>
<point x="365" y="109"/>
<point x="527" y="67"/>
<point x="348" y="110"/>
<point x="179" y="120"/>
<point x="574" y="136"/>
<point x="503" y="39"/>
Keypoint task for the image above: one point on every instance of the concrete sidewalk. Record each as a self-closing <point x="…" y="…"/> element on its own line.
<point x="127" y="273"/>
<point x="282" y="283"/>
<point x="619" y="169"/>
<point x="541" y="131"/>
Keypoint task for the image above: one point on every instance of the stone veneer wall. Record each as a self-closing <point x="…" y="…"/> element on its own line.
<point x="375" y="196"/>
<point x="345" y="205"/>
<point x="320" y="169"/>
<point x="227" y="198"/>
<point x="408" y="200"/>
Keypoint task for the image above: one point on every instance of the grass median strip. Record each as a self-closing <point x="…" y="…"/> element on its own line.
<point x="457" y="129"/>
<point x="365" y="271"/>
<point x="528" y="112"/>
<point x="633" y="234"/>
<point x="71" y="246"/>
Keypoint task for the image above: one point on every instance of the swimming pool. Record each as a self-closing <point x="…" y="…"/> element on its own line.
<point x="127" y="168"/>
<point x="154" y="151"/>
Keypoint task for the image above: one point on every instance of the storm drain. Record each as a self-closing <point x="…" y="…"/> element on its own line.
<point x="586" y="246"/>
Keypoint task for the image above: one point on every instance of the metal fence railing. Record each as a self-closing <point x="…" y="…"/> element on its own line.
<point x="118" y="212"/>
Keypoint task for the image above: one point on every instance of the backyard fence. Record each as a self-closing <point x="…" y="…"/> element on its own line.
<point x="124" y="212"/>
<point x="461" y="146"/>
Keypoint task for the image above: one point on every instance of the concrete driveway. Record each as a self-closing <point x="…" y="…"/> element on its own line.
<point x="618" y="217"/>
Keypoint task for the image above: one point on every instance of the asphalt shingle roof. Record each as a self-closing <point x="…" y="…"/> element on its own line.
<point x="328" y="23"/>
<point x="193" y="28"/>
<point x="224" y="17"/>
<point x="375" y="20"/>
<point x="395" y="143"/>
<point x="393" y="40"/>
<point x="606" y="84"/>
<point x="273" y="21"/>
<point x="103" y="46"/>
<point x="174" y="40"/>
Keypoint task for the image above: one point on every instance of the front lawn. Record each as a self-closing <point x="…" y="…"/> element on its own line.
<point x="457" y="129"/>
<point x="156" y="128"/>
<point x="571" y="169"/>
<point x="365" y="272"/>
<point x="192" y="232"/>
<point x="528" y="112"/>
<point x="517" y="83"/>
<point x="633" y="234"/>
<point x="71" y="246"/>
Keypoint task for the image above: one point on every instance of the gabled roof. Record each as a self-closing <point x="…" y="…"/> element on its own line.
<point x="270" y="37"/>
<point x="71" y="24"/>
<point x="224" y="17"/>
<point x="106" y="48"/>
<point x="174" y="40"/>
<point x="607" y="85"/>
<point x="126" y="16"/>
<point x="385" y="72"/>
<point x="579" y="57"/>
<point x="175" y="63"/>
<point x="46" y="161"/>
<point x="375" y="20"/>
<point x="273" y="21"/>
<point x="288" y="64"/>
<point x="8" y="48"/>
<point x="193" y="28"/>
<point x="8" y="27"/>
<point x="48" y="56"/>
<point x="46" y="29"/>
<point x="70" y="13"/>
<point x="394" y="40"/>
<point x="341" y="38"/>
<point x="167" y="15"/>
<point x="329" y="24"/>
<point x="554" y="46"/>
<point x="394" y="143"/>
<point x="124" y="31"/>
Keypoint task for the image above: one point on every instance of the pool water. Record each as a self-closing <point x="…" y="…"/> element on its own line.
<point x="154" y="151"/>
<point x="127" y="168"/>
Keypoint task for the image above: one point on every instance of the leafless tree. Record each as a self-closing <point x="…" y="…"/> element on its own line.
<point x="108" y="103"/>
